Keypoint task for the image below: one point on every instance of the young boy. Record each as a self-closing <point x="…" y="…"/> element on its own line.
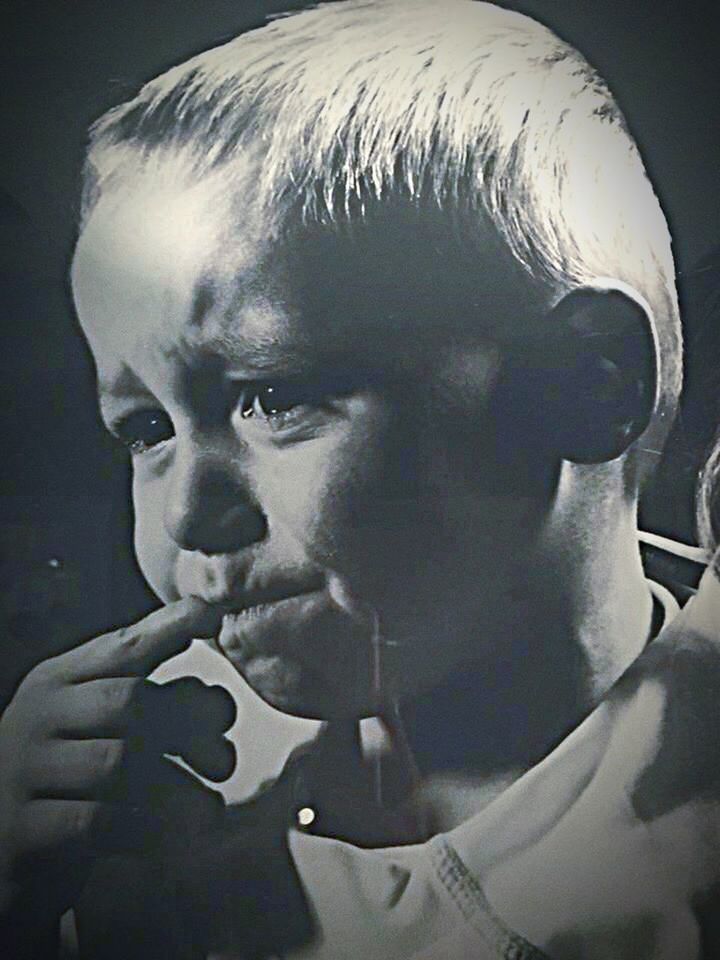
<point x="382" y="304"/>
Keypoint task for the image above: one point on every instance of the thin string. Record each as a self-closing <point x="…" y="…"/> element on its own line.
<point x="388" y="706"/>
<point x="377" y="683"/>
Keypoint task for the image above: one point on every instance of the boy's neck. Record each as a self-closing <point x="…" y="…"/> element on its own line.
<point x="574" y="628"/>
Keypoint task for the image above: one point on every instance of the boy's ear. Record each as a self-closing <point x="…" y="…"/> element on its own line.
<point x="583" y="387"/>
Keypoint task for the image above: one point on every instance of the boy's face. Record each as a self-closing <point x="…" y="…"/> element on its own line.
<point x="311" y="445"/>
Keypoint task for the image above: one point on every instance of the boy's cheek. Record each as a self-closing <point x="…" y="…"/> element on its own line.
<point x="364" y="517"/>
<point x="156" y="553"/>
<point x="339" y="490"/>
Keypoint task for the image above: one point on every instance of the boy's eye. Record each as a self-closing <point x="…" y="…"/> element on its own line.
<point x="144" y="429"/>
<point x="272" y="401"/>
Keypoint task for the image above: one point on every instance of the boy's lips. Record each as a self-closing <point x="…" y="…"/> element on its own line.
<point x="249" y="604"/>
<point x="266" y="626"/>
<point x="237" y="590"/>
<point x="304" y="654"/>
<point x="259" y="608"/>
<point x="297" y="641"/>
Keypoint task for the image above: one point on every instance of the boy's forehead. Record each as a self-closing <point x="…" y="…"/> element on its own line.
<point x="205" y="259"/>
<point x="161" y="259"/>
<point x="175" y="232"/>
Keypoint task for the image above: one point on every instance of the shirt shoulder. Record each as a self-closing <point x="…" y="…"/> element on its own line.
<point x="418" y="902"/>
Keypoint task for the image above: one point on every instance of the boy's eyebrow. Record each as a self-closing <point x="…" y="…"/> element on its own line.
<point x="254" y="357"/>
<point x="268" y="355"/>
<point x="117" y="385"/>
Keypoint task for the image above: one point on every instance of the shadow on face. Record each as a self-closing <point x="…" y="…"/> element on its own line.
<point x="313" y="417"/>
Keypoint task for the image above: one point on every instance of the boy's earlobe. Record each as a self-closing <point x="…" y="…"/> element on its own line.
<point x="584" y="386"/>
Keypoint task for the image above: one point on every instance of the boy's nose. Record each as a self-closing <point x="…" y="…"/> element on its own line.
<point x="209" y="506"/>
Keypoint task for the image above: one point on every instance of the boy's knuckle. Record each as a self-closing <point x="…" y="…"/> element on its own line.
<point x="127" y="640"/>
<point x="42" y="674"/>
<point x="188" y="692"/>
<point x="108" y="758"/>
<point x="82" y="819"/>
<point x="225" y="704"/>
<point x="118" y="696"/>
<point x="24" y="720"/>
<point x="193" y="685"/>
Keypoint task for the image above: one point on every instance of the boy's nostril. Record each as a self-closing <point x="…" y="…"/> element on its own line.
<point x="209" y="508"/>
<point x="215" y="524"/>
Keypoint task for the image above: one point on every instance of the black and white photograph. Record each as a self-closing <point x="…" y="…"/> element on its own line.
<point x="360" y="541"/>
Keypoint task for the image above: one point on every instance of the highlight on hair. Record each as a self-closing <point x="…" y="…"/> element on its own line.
<point x="462" y="102"/>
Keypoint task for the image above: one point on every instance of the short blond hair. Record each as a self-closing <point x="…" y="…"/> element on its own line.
<point x="461" y="101"/>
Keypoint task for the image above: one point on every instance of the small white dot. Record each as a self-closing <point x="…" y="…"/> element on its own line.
<point x="305" y="816"/>
<point x="54" y="563"/>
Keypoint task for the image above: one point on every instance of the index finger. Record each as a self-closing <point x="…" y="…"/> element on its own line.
<point x="136" y="650"/>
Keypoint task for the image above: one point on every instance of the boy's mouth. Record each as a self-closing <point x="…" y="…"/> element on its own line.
<point x="267" y="625"/>
<point x="299" y="652"/>
<point x="226" y="591"/>
<point x="237" y="613"/>
<point x="250" y="610"/>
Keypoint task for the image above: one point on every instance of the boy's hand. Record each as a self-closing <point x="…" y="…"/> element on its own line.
<point x="66" y="738"/>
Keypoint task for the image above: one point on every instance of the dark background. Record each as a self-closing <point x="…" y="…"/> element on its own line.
<point x="66" y="569"/>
